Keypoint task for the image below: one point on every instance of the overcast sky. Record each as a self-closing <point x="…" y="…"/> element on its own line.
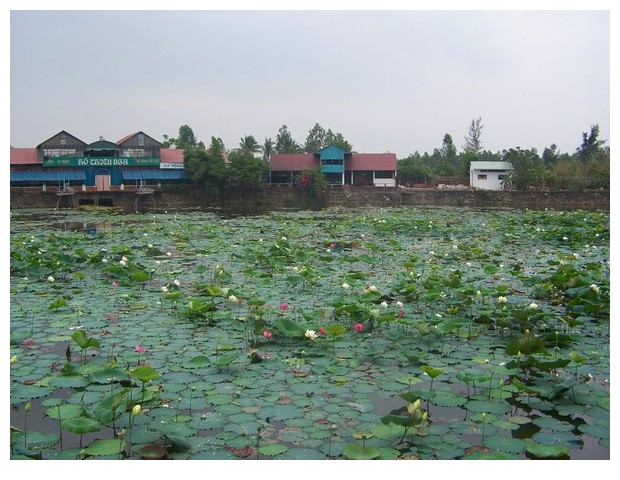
<point x="393" y="81"/>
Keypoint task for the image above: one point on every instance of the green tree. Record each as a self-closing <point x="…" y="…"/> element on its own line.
<point x="186" y="137"/>
<point x="598" y="170"/>
<point x="445" y="160"/>
<point x="248" y="144"/>
<point x="285" y="142"/>
<point x="268" y="149"/>
<point x="315" y="139"/>
<point x="246" y="171"/>
<point x="529" y="170"/>
<point x="412" y="170"/>
<point x="591" y="146"/>
<point x="217" y="149"/>
<point x="337" y="140"/>
<point x="207" y="168"/>
<point x="551" y="155"/>
<point x="473" y="141"/>
<point x="448" y="150"/>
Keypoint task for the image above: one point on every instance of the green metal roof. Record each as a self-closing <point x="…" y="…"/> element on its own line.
<point x="102" y="145"/>
<point x="491" y="166"/>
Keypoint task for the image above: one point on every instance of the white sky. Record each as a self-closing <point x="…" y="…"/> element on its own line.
<point x="387" y="80"/>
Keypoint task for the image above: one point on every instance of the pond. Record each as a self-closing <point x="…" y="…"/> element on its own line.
<point x="378" y="333"/>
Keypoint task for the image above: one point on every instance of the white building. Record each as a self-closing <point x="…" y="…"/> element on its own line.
<point x="490" y="175"/>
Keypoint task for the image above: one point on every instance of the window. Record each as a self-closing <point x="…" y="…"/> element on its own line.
<point x="140" y="139"/>
<point x="482" y="177"/>
<point x="63" y="138"/>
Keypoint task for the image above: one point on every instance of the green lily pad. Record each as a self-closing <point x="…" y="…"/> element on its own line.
<point x="65" y="411"/>
<point x="448" y="398"/>
<point x="36" y="440"/>
<point x="273" y="449"/>
<point x="81" y="425"/>
<point x="546" y="451"/>
<point x="104" y="447"/>
<point x="552" y="424"/>
<point x="175" y="429"/>
<point x="69" y="381"/>
<point x="199" y="361"/>
<point x="353" y="451"/>
<point x="505" y="444"/>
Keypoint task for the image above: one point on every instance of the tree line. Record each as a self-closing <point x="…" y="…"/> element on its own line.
<point x="587" y="168"/>
<point x="214" y="167"/>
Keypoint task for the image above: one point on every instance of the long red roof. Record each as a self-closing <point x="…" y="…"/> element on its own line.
<point x="371" y="161"/>
<point x="291" y="162"/>
<point x="170" y="155"/>
<point x="25" y="156"/>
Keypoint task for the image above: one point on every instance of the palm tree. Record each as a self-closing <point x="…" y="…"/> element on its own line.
<point x="248" y="144"/>
<point x="267" y="148"/>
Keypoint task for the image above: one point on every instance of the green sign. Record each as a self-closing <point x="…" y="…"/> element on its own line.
<point x="101" y="162"/>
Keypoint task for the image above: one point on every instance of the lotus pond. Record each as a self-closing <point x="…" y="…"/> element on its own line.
<point x="394" y="333"/>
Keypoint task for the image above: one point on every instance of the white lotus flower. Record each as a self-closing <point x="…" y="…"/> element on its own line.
<point x="311" y="334"/>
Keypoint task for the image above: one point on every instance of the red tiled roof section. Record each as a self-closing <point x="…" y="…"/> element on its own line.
<point x="293" y="162"/>
<point x="371" y="161"/>
<point x="126" y="137"/>
<point x="170" y="155"/>
<point x="25" y="156"/>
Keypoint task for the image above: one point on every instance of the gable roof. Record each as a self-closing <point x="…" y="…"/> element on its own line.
<point x="285" y="162"/>
<point x="372" y="161"/>
<point x="102" y="145"/>
<point x="131" y="135"/>
<point x="491" y="166"/>
<point x="81" y="142"/>
<point x="25" y="156"/>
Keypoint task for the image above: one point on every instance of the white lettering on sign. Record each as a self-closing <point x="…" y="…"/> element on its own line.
<point x="107" y="162"/>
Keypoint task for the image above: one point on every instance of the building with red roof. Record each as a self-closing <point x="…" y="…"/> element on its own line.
<point x="338" y="166"/>
<point x="64" y="160"/>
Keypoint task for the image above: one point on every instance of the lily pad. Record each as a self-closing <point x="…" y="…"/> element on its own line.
<point x="81" y="425"/>
<point x="273" y="449"/>
<point x="546" y="451"/>
<point x="104" y="447"/>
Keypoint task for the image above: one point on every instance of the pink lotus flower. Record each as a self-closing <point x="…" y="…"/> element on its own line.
<point x="140" y="349"/>
<point x="284" y="306"/>
<point x="267" y="334"/>
<point x="321" y="331"/>
<point x="115" y="283"/>
<point x="401" y="313"/>
<point x="358" y="327"/>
